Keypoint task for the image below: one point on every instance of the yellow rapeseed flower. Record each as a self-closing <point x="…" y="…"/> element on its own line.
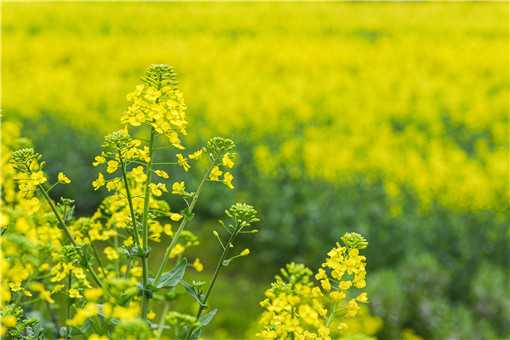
<point x="178" y="249"/>
<point x="162" y="174"/>
<point x="175" y="217"/>
<point x="197" y="265"/>
<point x="99" y="182"/>
<point x="183" y="162"/>
<point x="62" y="178"/>
<point x="9" y="321"/>
<point x="178" y="188"/>
<point x="74" y="293"/>
<point x="227" y="179"/>
<point x="93" y="294"/>
<point x="112" y="166"/>
<point x="98" y="160"/>
<point x="196" y="154"/>
<point x="111" y="254"/>
<point x="227" y="161"/>
<point x="215" y="173"/>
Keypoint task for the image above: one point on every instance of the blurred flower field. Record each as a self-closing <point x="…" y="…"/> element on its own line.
<point x="387" y="119"/>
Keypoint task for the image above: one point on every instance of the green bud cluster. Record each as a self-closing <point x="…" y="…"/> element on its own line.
<point x="159" y="76"/>
<point x="244" y="214"/>
<point x="217" y="147"/>
<point x="72" y="254"/>
<point x="118" y="140"/>
<point x="21" y="159"/>
<point x="354" y="240"/>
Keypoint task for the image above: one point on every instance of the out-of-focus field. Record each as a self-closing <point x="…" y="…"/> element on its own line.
<point x="388" y="119"/>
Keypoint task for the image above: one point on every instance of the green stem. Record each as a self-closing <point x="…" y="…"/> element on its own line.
<point x="96" y="255"/>
<point x="332" y="315"/>
<point x="162" y="321"/>
<point x="117" y="261"/>
<point x="145" y="229"/>
<point x="216" y="273"/>
<point x="68" y="309"/>
<point x="182" y="226"/>
<point x="63" y="226"/>
<point x="130" y="200"/>
<point x="53" y="317"/>
<point x="128" y="268"/>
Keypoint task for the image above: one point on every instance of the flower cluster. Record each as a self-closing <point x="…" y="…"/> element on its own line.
<point x="297" y="307"/>
<point x="91" y="276"/>
<point x="158" y="103"/>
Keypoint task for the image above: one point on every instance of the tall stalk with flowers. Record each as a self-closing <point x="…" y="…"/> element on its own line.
<point x="299" y="307"/>
<point x="101" y="266"/>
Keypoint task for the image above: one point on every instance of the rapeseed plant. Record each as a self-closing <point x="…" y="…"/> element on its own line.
<point x="297" y="307"/>
<point x="92" y="274"/>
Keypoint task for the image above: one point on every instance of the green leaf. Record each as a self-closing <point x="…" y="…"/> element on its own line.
<point x="196" y="333"/>
<point x="205" y="319"/>
<point x="174" y="276"/>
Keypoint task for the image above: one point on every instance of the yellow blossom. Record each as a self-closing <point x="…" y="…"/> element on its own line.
<point x="326" y="285"/>
<point x="138" y="174"/>
<point x="92" y="294"/>
<point x="178" y="188"/>
<point x="162" y="174"/>
<point x="99" y="182"/>
<point x="79" y="318"/>
<point x="196" y="154"/>
<point x="183" y="162"/>
<point x="175" y="217"/>
<point x="157" y="189"/>
<point x="227" y="161"/>
<point x="62" y="178"/>
<point x="137" y="271"/>
<point x="9" y="321"/>
<point x="38" y="177"/>
<point x="197" y="265"/>
<point x="114" y="184"/>
<point x="34" y="165"/>
<point x="126" y="313"/>
<point x="112" y="166"/>
<point x="98" y="160"/>
<point x="128" y="242"/>
<point x="352" y="308"/>
<point x="167" y="229"/>
<point x="344" y="285"/>
<point x="74" y="293"/>
<point x="362" y="297"/>
<point x="227" y="179"/>
<point x="111" y="254"/>
<point x="178" y="249"/>
<point x="215" y="173"/>
<point x="337" y="295"/>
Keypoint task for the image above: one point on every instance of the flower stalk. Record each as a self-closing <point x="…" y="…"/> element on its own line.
<point x="129" y="199"/>
<point x="66" y="230"/>
<point x="224" y="254"/>
<point x="186" y="219"/>
<point x="145" y="230"/>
